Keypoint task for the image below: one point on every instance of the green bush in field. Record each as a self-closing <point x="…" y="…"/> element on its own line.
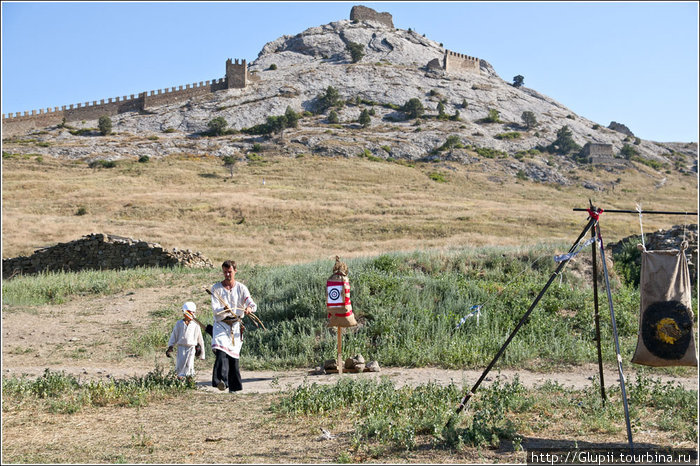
<point x="63" y="393"/>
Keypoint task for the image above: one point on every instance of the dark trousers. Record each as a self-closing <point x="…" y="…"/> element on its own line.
<point x="227" y="369"/>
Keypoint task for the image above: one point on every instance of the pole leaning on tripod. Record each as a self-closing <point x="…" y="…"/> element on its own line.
<point x="591" y="221"/>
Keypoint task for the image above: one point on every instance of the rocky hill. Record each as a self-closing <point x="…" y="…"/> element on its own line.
<point x="293" y="71"/>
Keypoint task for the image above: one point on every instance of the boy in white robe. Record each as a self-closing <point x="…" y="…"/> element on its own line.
<point x="186" y="335"/>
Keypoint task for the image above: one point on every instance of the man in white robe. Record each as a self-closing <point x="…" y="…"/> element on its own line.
<point x="226" y="339"/>
<point x="186" y="335"/>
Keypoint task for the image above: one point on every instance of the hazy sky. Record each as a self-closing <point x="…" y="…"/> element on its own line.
<point x="631" y="62"/>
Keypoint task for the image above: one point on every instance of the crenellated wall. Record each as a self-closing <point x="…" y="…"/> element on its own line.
<point x="454" y="61"/>
<point x="236" y="74"/>
<point x="21" y="122"/>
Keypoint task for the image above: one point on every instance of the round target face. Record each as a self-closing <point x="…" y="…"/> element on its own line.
<point x="334" y="294"/>
<point x="667" y="329"/>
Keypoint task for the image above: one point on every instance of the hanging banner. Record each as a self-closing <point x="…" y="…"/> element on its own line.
<point x="665" y="336"/>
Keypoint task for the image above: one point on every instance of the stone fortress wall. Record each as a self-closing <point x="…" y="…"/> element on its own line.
<point x="12" y="125"/>
<point x="237" y="77"/>
<point x="362" y="13"/>
<point x="99" y="251"/>
<point x="454" y="61"/>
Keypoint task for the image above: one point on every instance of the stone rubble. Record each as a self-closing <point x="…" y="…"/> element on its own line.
<point x="102" y="251"/>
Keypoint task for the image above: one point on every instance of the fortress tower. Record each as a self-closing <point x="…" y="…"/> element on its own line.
<point x="236" y="74"/>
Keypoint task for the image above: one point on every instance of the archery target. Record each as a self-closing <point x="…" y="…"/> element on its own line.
<point x="666" y="329"/>
<point x="335" y="295"/>
<point x="666" y="334"/>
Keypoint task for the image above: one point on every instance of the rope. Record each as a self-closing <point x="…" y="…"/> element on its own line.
<point x="639" y="209"/>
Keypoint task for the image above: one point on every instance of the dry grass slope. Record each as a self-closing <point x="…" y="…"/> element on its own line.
<point x="312" y="208"/>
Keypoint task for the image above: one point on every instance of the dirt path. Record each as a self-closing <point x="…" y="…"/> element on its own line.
<point x="274" y="381"/>
<point x="89" y="337"/>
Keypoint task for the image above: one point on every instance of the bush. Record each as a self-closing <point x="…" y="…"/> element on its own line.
<point x="529" y="119"/>
<point x="453" y="141"/>
<point x="357" y="51"/>
<point x="413" y="108"/>
<point x="439" y="177"/>
<point x="518" y="81"/>
<point x="441" y="111"/>
<point x="144" y="159"/>
<point x="493" y="117"/>
<point x="331" y="98"/>
<point x="333" y="117"/>
<point x="292" y="118"/>
<point x="102" y="164"/>
<point x="104" y="124"/>
<point x="627" y="262"/>
<point x="564" y="143"/>
<point x="627" y="152"/>
<point x="489" y="153"/>
<point x="217" y="126"/>
<point x="81" y="211"/>
<point x="509" y="135"/>
<point x="272" y="67"/>
<point x="364" y="118"/>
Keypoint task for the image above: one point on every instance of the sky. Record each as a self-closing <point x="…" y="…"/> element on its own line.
<point x="635" y="63"/>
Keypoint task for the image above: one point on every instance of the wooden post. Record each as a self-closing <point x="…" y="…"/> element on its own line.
<point x="340" y="354"/>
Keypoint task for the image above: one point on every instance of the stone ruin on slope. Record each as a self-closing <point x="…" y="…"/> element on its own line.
<point x="102" y="251"/>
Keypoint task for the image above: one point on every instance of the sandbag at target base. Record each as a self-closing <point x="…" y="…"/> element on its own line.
<point x="666" y="335"/>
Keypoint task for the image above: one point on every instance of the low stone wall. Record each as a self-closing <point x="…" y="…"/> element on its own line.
<point x="101" y="251"/>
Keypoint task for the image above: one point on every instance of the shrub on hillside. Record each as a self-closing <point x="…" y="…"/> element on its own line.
<point x="333" y="117"/>
<point x="217" y="126"/>
<point x="357" y="51"/>
<point x="413" y="108"/>
<point x="104" y="124"/>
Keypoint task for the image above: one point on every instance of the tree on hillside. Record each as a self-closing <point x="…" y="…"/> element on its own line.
<point x="364" y="118"/>
<point x="331" y="98"/>
<point x="529" y="119"/>
<point x="104" y="124"/>
<point x="276" y="124"/>
<point x="627" y="152"/>
<point x="493" y="116"/>
<point x="441" y="111"/>
<point x="518" y="80"/>
<point x="564" y="143"/>
<point x="292" y="117"/>
<point x="229" y="162"/>
<point x="217" y="126"/>
<point x="413" y="108"/>
<point x="333" y="117"/>
<point x="357" y="51"/>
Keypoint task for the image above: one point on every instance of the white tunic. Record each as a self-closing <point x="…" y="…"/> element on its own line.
<point x="186" y="336"/>
<point x="237" y="299"/>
